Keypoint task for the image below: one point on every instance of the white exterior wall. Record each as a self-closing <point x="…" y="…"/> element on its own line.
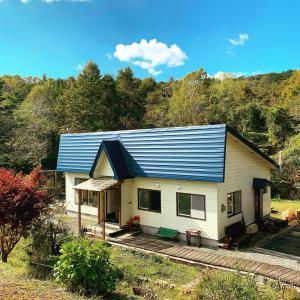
<point x="242" y="165"/>
<point x="70" y="195"/>
<point x="168" y="216"/>
<point x="126" y="201"/>
<point x="103" y="167"/>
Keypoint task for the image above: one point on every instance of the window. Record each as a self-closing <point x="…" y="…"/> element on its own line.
<point x="234" y="203"/>
<point x="149" y="200"/>
<point x="87" y="197"/>
<point x="192" y="206"/>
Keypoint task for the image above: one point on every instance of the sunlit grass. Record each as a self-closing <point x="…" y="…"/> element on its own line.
<point x="282" y="205"/>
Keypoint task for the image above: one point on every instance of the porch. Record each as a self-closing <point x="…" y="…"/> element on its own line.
<point x="105" y="193"/>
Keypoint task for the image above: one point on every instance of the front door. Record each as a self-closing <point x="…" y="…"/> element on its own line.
<point x="112" y="206"/>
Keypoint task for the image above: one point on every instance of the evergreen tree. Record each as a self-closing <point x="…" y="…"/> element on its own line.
<point x="132" y="104"/>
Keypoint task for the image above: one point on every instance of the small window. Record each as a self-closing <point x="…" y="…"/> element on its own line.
<point x="149" y="200"/>
<point x="192" y="206"/>
<point x="234" y="203"/>
<point x="87" y="197"/>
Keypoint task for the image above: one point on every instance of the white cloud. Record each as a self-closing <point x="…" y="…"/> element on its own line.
<point x="222" y="75"/>
<point x="150" y="55"/>
<point x="25" y="1"/>
<point x="240" y="41"/>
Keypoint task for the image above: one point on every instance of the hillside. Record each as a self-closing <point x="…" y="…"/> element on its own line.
<point x="264" y="108"/>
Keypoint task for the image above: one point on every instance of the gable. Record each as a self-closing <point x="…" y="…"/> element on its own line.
<point x="253" y="153"/>
<point x="103" y="167"/>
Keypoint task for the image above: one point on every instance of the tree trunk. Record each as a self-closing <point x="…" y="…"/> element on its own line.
<point x="4" y="256"/>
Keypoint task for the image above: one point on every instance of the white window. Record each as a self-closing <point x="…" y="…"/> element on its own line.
<point x="190" y="205"/>
<point x="234" y="203"/>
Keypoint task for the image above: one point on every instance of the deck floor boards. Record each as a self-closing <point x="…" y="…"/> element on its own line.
<point x="196" y="255"/>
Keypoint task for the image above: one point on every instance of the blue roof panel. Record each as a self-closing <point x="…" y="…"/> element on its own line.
<point x="193" y="153"/>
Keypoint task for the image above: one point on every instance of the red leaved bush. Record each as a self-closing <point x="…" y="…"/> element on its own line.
<point x="22" y="200"/>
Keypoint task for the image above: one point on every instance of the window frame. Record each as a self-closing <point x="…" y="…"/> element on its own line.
<point x="88" y="203"/>
<point x="189" y="216"/>
<point x="234" y="213"/>
<point x="145" y="209"/>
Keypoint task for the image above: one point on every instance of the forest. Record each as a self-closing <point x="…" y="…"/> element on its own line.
<point x="264" y="108"/>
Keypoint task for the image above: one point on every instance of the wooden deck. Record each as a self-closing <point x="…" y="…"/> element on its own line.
<point x="198" y="256"/>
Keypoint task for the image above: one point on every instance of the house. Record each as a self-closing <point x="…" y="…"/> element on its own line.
<point x="198" y="177"/>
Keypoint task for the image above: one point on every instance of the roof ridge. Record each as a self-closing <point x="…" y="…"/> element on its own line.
<point x="222" y="125"/>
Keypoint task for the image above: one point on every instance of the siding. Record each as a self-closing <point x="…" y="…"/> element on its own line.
<point x="168" y="216"/>
<point x="126" y="201"/>
<point x="103" y="167"/>
<point x="242" y="165"/>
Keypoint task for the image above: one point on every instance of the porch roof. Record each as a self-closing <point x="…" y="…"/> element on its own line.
<point x="96" y="184"/>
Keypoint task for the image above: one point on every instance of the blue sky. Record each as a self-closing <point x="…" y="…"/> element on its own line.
<point x="58" y="37"/>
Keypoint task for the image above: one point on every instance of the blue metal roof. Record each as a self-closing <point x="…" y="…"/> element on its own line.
<point x="193" y="153"/>
<point x="115" y="155"/>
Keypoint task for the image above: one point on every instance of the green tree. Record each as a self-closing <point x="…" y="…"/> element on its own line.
<point x="157" y="105"/>
<point x="82" y="100"/>
<point x="280" y="126"/>
<point x="132" y="104"/>
<point x="190" y="100"/>
<point x="36" y="138"/>
<point x="13" y="90"/>
<point x="284" y="180"/>
<point x="111" y="105"/>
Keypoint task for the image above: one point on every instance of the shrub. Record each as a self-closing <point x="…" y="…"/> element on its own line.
<point x="226" y="286"/>
<point x="85" y="267"/>
<point x="46" y="237"/>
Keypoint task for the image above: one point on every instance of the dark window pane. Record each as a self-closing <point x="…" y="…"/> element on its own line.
<point x="85" y="197"/>
<point x="155" y="200"/>
<point x="77" y="181"/>
<point x="95" y="199"/>
<point x="144" y="199"/>
<point x="184" y="204"/>
<point x="237" y="202"/>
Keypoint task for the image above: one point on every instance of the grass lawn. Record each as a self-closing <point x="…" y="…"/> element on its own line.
<point x="282" y="205"/>
<point x="16" y="285"/>
<point x="153" y="276"/>
<point x="149" y="272"/>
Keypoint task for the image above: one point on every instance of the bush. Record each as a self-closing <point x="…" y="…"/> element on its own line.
<point x="46" y="237"/>
<point x="85" y="267"/>
<point x="226" y="286"/>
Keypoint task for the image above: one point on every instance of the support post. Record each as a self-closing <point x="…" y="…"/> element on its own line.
<point x="99" y="208"/>
<point x="78" y="195"/>
<point x="120" y="203"/>
<point x="103" y="215"/>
